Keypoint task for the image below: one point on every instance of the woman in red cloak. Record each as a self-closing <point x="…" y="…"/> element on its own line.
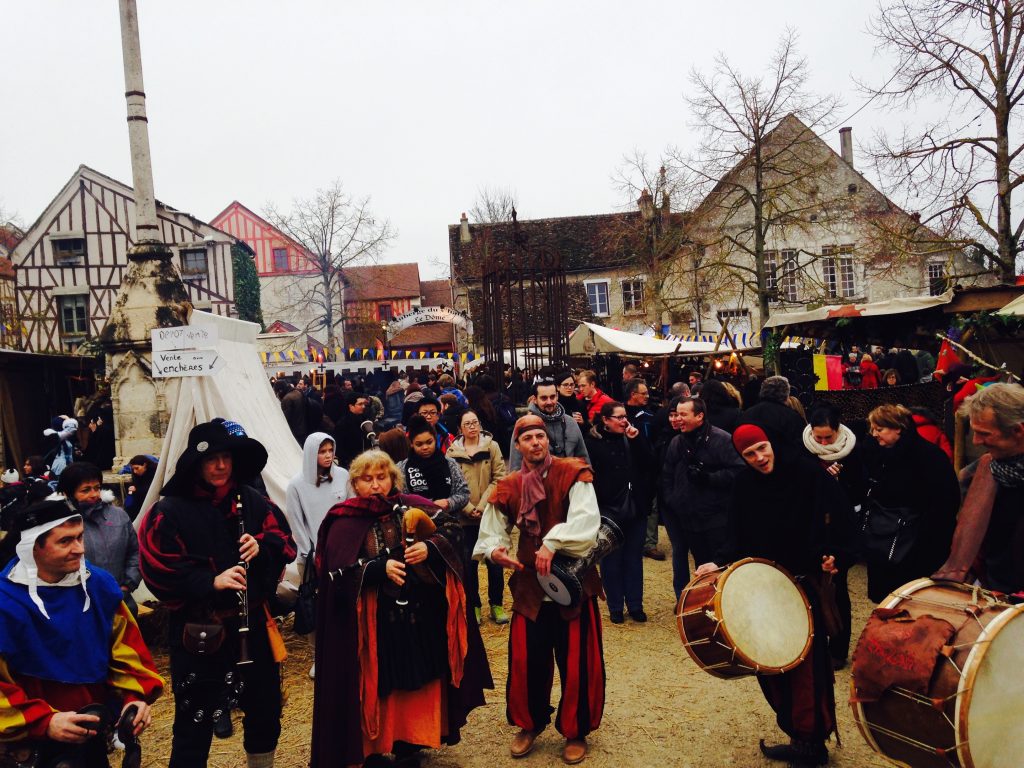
<point x="398" y="667"/>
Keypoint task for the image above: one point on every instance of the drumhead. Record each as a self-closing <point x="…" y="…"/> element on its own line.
<point x="765" y="615"/>
<point x="559" y="591"/>
<point x="992" y="690"/>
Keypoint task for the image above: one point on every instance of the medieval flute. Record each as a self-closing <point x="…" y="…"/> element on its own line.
<point x="243" y="595"/>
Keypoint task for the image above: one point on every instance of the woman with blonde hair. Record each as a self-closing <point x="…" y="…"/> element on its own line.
<point x="910" y="509"/>
<point x="398" y="666"/>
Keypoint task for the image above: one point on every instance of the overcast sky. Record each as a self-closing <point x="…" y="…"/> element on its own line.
<point x="416" y="104"/>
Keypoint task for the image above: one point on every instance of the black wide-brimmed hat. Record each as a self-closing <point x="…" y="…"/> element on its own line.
<point x="248" y="456"/>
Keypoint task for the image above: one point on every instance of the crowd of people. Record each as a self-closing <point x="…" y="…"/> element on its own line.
<point x="399" y="501"/>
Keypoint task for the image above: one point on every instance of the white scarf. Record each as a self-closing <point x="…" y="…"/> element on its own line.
<point x="840" y="449"/>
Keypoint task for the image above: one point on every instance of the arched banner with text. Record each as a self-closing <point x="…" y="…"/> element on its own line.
<point x="421" y="315"/>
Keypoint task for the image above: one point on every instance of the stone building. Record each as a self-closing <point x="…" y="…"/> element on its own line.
<point x="73" y="259"/>
<point x="830" y="237"/>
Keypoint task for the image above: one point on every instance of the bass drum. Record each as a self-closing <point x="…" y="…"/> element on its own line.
<point x="972" y="714"/>
<point x="749" y="618"/>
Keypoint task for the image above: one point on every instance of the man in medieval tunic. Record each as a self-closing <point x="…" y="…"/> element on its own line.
<point x="72" y="659"/>
<point x="552" y="502"/>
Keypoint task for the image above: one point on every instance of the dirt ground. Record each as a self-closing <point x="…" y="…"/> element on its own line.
<point x="661" y="709"/>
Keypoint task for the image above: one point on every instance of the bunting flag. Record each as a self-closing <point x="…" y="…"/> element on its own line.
<point x="352" y="354"/>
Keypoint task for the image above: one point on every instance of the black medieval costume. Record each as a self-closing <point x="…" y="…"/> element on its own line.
<point x="186" y="539"/>
<point x="397" y="668"/>
<point x="784" y="517"/>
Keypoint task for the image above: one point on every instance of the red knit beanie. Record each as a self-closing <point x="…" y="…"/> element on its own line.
<point x="747" y="435"/>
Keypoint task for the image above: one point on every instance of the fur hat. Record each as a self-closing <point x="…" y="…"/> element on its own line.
<point x="249" y="457"/>
<point x="775" y="388"/>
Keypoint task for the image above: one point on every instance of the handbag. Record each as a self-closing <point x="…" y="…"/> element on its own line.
<point x="624" y="509"/>
<point x="203" y="639"/>
<point x="305" y="602"/>
<point x="828" y="609"/>
<point x="887" y="533"/>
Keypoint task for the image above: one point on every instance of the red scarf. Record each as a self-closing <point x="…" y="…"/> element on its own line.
<point x="533" y="493"/>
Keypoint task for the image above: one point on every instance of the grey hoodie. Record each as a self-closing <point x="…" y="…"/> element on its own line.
<point x="306" y="503"/>
<point x="564" y="437"/>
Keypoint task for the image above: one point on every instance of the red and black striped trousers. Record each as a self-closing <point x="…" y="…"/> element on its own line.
<point x="534" y="647"/>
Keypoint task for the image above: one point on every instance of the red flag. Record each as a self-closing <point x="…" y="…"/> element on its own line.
<point x="947" y="357"/>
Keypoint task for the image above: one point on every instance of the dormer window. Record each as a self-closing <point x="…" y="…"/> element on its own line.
<point x="68" y="249"/>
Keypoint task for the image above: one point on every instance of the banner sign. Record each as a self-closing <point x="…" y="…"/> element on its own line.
<point x="421" y="315"/>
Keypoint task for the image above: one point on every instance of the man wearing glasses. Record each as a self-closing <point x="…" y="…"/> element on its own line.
<point x="565" y="439"/>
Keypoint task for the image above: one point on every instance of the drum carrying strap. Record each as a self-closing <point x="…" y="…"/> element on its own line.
<point x="897" y="650"/>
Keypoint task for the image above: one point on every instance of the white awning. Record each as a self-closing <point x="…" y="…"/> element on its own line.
<point x="1015" y="307"/>
<point x="841" y="311"/>
<point x="589" y="339"/>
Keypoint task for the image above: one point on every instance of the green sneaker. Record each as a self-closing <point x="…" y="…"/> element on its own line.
<point x="498" y="615"/>
<point x="476" y="612"/>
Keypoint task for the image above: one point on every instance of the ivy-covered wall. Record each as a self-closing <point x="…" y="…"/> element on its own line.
<point x="247" y="285"/>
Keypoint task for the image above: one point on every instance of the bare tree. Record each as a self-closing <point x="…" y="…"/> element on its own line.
<point x="650" y="238"/>
<point x="961" y="171"/>
<point x="493" y="205"/>
<point x="762" y="162"/>
<point x="338" y="231"/>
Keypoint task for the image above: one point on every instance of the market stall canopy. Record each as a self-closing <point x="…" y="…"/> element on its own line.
<point x="879" y="321"/>
<point x="1015" y="307"/>
<point x="590" y="339"/>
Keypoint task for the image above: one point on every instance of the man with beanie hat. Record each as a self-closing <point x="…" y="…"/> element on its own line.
<point x="780" y="512"/>
<point x="67" y="642"/>
<point x="552" y="502"/>
<point x="211" y="540"/>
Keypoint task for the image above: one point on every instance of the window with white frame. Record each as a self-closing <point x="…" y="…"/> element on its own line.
<point x="632" y="296"/>
<point x="838" y="271"/>
<point x="771" y="272"/>
<point x="787" y="280"/>
<point x="193" y="262"/>
<point x="74" y="315"/>
<point x="937" y="279"/>
<point x="597" y="297"/>
<point x="739" y="320"/>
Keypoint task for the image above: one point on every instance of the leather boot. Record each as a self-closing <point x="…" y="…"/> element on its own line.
<point x="798" y="752"/>
<point x="522" y="742"/>
<point x="259" y="760"/>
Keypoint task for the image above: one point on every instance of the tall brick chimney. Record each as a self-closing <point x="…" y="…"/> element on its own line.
<point x="464" y="236"/>
<point x="846" y="144"/>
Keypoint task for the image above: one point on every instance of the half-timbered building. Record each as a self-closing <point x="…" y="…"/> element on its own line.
<point x="287" y="272"/>
<point x="10" y="326"/>
<point x="72" y="259"/>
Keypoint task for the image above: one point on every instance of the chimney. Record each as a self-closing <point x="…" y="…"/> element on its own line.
<point x="846" y="144"/>
<point x="464" y="236"/>
<point x="666" y="207"/>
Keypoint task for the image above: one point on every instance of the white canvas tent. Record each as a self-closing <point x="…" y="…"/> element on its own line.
<point x="240" y="391"/>
<point x="590" y="339"/>
<point x="1015" y="307"/>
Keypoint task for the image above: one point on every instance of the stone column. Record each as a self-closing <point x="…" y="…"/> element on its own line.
<point x="152" y="294"/>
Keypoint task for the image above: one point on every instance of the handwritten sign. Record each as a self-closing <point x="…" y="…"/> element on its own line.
<point x="186" y="362"/>
<point x="184" y="337"/>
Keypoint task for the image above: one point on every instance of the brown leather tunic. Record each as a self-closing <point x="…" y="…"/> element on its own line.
<point x="527" y="594"/>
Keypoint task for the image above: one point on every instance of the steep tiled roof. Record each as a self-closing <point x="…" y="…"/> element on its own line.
<point x="382" y="281"/>
<point x="436" y="293"/>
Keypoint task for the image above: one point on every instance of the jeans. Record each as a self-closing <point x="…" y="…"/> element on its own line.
<point x="622" y="570"/>
<point x="680" y="551"/>
<point x="495" y="573"/>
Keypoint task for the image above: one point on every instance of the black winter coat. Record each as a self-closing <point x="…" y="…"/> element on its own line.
<point x="779" y="421"/>
<point x="618" y="468"/>
<point x="783" y="517"/>
<point x="700" y="499"/>
<point x="916" y="475"/>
